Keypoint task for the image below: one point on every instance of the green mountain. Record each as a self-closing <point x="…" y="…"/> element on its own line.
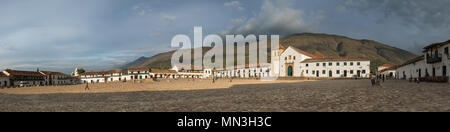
<point x="328" y="45"/>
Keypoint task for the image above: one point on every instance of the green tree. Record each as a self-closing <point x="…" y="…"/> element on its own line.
<point x="81" y="70"/>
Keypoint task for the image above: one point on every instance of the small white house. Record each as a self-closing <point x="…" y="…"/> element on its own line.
<point x="104" y="76"/>
<point x="114" y="75"/>
<point x="139" y="73"/>
<point x="387" y="70"/>
<point x="93" y="77"/>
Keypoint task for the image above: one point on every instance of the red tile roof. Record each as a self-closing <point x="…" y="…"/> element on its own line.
<point x="139" y="69"/>
<point x="115" y="71"/>
<point x="3" y="74"/>
<point x="413" y="60"/>
<point x="103" y="72"/>
<point x="53" y="73"/>
<point x="319" y="55"/>
<point x="436" y="44"/>
<point x="281" y="47"/>
<point x="159" y="71"/>
<point x="305" y="53"/>
<point x="96" y="73"/>
<point x="392" y="67"/>
<point x="387" y="65"/>
<point x="23" y="73"/>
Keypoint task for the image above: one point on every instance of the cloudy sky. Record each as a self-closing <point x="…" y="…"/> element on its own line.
<point x="60" y="35"/>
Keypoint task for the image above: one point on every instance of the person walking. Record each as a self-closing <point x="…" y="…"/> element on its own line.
<point x="87" y="87"/>
<point x="372" y="80"/>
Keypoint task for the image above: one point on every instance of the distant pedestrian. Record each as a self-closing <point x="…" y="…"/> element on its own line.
<point x="383" y="77"/>
<point x="372" y="80"/>
<point x="87" y="87"/>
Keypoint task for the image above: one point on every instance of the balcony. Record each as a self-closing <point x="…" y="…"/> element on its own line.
<point x="434" y="58"/>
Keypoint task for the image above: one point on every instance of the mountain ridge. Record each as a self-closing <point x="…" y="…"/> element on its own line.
<point x="329" y="45"/>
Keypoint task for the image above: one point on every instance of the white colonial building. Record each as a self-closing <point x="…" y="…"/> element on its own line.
<point x="140" y="73"/>
<point x="58" y="78"/>
<point x="104" y="76"/>
<point x="387" y="70"/>
<point x="335" y="68"/>
<point x="293" y="62"/>
<point x="194" y="72"/>
<point x="245" y="71"/>
<point x="25" y="78"/>
<point x="432" y="66"/>
<point x="414" y="68"/>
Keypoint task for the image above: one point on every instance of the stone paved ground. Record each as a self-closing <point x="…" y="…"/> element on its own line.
<point x="328" y="95"/>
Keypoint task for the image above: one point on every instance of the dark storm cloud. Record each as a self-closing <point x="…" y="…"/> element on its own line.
<point x="275" y="17"/>
<point x="423" y="14"/>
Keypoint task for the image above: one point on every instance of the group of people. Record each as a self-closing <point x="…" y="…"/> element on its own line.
<point x="376" y="80"/>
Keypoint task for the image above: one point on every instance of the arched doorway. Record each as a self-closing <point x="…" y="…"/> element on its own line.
<point x="290" y="71"/>
<point x="330" y="73"/>
<point x="358" y="73"/>
<point x="444" y="71"/>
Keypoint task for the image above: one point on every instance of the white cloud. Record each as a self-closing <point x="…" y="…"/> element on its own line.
<point x="234" y="4"/>
<point x="169" y="19"/>
<point x="275" y="17"/>
<point x="141" y="10"/>
<point x="240" y="8"/>
<point x="424" y="14"/>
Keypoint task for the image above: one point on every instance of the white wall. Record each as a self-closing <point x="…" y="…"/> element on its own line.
<point x="263" y="71"/>
<point x="312" y="68"/>
<point x="206" y="73"/>
<point x="387" y="73"/>
<point x="93" y="80"/>
<point x="32" y="83"/>
<point x="412" y="70"/>
<point x="4" y="82"/>
<point x="296" y="63"/>
<point x="138" y="72"/>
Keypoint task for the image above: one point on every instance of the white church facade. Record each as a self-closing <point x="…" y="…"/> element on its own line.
<point x="293" y="62"/>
